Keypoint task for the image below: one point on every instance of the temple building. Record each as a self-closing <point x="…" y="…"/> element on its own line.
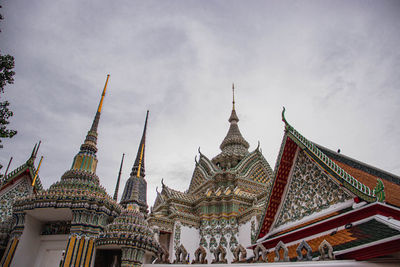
<point x="222" y="205"/>
<point x="324" y="206"/>
<point x="315" y="205"/>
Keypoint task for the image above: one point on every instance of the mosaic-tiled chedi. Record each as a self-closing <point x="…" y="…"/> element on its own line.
<point x="225" y="194"/>
<point x="130" y="232"/>
<point x="80" y="191"/>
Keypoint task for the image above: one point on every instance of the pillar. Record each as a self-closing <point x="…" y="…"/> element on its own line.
<point x="132" y="257"/>
<point x="79" y="251"/>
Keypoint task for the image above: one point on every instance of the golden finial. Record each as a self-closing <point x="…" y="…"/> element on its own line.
<point x="233" y="96"/>
<point x="103" y="94"/>
<point x="37" y="171"/>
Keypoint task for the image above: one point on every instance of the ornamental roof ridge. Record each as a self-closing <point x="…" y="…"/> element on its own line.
<point x="351" y="183"/>
<point x="27" y="165"/>
<point x="206" y="160"/>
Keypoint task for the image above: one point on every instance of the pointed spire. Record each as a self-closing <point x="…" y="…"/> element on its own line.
<point x="233" y="116"/>
<point x="119" y="178"/>
<point x="233" y="96"/>
<point x="86" y="158"/>
<point x="136" y="187"/>
<point x="91" y="137"/>
<point x="234" y="147"/>
<point x="138" y="167"/>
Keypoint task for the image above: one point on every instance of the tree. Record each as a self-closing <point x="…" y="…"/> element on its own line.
<point x="6" y="77"/>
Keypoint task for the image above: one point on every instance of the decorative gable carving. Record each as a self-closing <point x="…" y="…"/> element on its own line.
<point x="310" y="191"/>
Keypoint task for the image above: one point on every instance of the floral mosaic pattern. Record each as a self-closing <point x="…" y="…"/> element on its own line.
<point x="7" y="200"/>
<point x="310" y="191"/>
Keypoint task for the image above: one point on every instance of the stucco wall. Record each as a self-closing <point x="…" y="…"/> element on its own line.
<point x="29" y="243"/>
<point x="245" y="236"/>
<point x="51" y="249"/>
<point x="190" y="239"/>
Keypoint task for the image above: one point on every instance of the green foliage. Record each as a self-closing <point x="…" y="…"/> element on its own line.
<point x="6" y="71"/>
<point x="6" y="77"/>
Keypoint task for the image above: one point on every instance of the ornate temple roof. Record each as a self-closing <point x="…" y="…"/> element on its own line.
<point x="291" y="142"/>
<point x="234" y="147"/>
<point x="137" y="177"/>
<point x="367" y="174"/>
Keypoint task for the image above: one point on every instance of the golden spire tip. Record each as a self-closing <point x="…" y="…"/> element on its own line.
<point x="103" y="94"/>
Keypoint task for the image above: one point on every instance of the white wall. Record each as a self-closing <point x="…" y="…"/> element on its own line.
<point x="245" y="236"/>
<point x="190" y="239"/>
<point x="29" y="243"/>
<point x="50" y="250"/>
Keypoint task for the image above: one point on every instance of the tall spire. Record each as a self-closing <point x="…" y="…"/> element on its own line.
<point x="119" y="178"/>
<point x="86" y="158"/>
<point x="233" y="96"/>
<point x="136" y="187"/>
<point x="234" y="147"/>
<point x="138" y="167"/>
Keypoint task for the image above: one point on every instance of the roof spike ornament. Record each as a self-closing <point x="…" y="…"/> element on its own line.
<point x="119" y="178"/>
<point x="37" y="172"/>
<point x="37" y="148"/>
<point x="136" y="186"/>
<point x="33" y="151"/>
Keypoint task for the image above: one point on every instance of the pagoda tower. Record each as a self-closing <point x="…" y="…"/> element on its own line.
<point x="76" y="207"/>
<point x="129" y="232"/>
<point x="136" y="179"/>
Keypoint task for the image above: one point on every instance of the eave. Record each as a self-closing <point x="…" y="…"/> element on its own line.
<point x="332" y="223"/>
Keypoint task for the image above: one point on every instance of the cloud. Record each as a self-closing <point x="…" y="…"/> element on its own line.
<point x="335" y="66"/>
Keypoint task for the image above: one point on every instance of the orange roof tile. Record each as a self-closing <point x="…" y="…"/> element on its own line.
<point x="392" y="190"/>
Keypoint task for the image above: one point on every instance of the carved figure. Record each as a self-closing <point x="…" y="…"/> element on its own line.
<point x="260" y="254"/>
<point x="278" y="247"/>
<point x="162" y="256"/>
<point x="326" y="251"/>
<point x="240" y="254"/>
<point x="300" y="256"/>
<point x="219" y="251"/>
<point x="181" y="255"/>
<point x="200" y="256"/>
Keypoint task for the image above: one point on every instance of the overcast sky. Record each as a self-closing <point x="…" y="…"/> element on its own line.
<point x="334" y="65"/>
